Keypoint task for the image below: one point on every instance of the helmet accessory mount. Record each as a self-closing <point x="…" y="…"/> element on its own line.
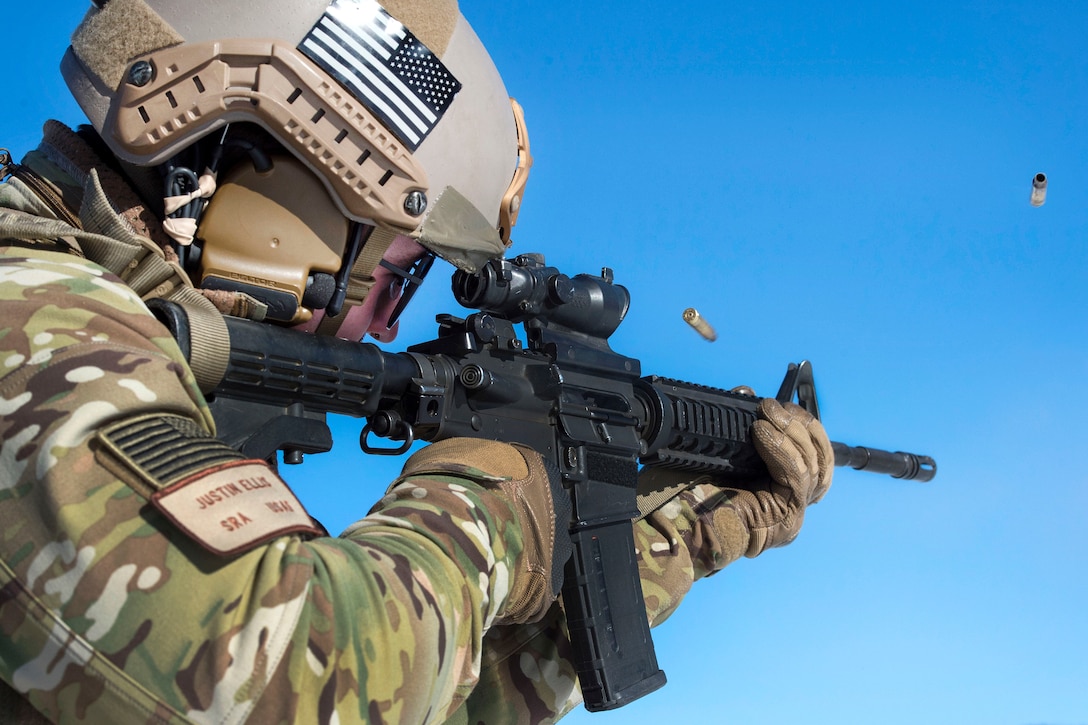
<point x="200" y="87"/>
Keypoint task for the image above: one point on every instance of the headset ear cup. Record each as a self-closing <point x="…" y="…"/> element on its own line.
<point x="267" y="232"/>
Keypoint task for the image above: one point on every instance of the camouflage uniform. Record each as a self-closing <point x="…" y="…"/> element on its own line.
<point x="110" y="613"/>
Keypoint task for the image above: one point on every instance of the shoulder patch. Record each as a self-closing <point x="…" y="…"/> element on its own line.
<point x="163" y="449"/>
<point x="223" y="501"/>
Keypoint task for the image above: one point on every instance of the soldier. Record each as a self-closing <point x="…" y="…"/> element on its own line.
<point x="300" y="163"/>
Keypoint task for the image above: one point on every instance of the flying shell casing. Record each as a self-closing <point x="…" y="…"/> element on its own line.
<point x="693" y="318"/>
<point x="1038" y="189"/>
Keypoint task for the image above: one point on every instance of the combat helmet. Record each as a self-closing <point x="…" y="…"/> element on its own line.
<point x="365" y="130"/>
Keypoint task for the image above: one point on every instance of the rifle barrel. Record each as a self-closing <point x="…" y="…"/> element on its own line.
<point x="909" y="466"/>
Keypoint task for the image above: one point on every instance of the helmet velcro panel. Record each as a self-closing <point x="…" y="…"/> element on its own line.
<point x="432" y="22"/>
<point x="474" y="148"/>
<point x="107" y="40"/>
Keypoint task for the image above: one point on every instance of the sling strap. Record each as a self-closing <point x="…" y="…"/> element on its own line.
<point x="108" y="241"/>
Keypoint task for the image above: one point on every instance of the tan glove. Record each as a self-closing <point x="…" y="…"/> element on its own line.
<point x="738" y="519"/>
<point x="798" y="455"/>
<point x="696" y="525"/>
<point x="518" y="475"/>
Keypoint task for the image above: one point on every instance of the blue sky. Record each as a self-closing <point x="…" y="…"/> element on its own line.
<point x="846" y="185"/>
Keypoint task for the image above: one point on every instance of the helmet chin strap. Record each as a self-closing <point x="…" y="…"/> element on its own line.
<point x="379" y="293"/>
<point x="355" y="274"/>
<point x="412" y="278"/>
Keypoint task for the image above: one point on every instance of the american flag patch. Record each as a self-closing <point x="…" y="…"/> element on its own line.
<point x="376" y="58"/>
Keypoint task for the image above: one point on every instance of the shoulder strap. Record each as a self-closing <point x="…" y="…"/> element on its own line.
<point x="106" y="240"/>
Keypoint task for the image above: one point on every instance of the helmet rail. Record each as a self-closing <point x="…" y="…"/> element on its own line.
<point x="176" y="94"/>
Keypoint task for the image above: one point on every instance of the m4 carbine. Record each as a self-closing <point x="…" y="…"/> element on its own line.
<point x="562" y="391"/>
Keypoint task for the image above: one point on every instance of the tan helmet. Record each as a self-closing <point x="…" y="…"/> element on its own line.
<point x="394" y="106"/>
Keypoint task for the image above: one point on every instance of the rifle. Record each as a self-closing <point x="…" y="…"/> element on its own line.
<point x="564" y="392"/>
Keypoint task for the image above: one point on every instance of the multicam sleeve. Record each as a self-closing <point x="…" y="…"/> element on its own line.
<point x="527" y="674"/>
<point x="693" y="535"/>
<point x="111" y="613"/>
<point x="433" y="558"/>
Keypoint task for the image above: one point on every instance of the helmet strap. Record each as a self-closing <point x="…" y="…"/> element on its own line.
<point x="355" y="274"/>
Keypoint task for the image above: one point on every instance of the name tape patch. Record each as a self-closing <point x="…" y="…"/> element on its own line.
<point x="234" y="507"/>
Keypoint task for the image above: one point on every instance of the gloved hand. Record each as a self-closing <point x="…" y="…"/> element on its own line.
<point x="695" y="525"/>
<point x="519" y="477"/>
<point x="739" y="518"/>
<point x="798" y="455"/>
